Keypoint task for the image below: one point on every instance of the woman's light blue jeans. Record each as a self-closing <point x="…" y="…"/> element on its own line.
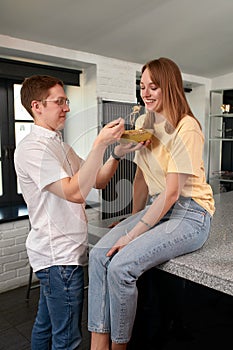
<point x="112" y="298"/>
<point x="58" y="321"/>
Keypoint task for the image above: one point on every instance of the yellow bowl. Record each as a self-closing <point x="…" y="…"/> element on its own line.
<point x="139" y="135"/>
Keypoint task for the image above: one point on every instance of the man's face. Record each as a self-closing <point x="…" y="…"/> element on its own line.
<point x="51" y="112"/>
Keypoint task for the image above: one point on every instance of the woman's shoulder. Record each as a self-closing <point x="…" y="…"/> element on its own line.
<point x="188" y="123"/>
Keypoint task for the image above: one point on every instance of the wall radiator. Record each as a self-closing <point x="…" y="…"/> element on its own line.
<point x="117" y="196"/>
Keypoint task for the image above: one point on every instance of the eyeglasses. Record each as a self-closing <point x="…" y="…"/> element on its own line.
<point x="60" y="101"/>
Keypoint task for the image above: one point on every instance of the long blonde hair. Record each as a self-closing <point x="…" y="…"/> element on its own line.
<point x="166" y="75"/>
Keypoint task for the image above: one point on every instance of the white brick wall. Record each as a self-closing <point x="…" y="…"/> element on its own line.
<point x="14" y="266"/>
<point x="116" y="80"/>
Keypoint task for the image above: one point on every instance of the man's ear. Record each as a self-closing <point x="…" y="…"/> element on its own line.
<point x="35" y="105"/>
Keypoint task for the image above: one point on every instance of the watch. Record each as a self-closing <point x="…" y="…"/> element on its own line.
<point x="115" y="156"/>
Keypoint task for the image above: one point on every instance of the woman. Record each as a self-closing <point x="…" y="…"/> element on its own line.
<point x="176" y="222"/>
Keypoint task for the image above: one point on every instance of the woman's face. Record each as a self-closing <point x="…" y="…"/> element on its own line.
<point x="150" y="93"/>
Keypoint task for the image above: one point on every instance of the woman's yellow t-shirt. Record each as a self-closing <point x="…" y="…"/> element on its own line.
<point x="177" y="152"/>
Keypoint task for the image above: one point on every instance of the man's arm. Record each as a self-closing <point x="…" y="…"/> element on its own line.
<point x="92" y="172"/>
<point x="77" y="187"/>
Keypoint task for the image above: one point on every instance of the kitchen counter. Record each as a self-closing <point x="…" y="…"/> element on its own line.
<point x="13" y="213"/>
<point x="212" y="265"/>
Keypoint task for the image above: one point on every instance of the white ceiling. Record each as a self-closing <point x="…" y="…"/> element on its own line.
<point x="197" y="34"/>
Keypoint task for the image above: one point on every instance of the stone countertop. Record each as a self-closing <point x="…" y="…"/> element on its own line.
<point x="212" y="265"/>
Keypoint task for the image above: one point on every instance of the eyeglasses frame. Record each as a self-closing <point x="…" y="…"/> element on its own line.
<point x="66" y="101"/>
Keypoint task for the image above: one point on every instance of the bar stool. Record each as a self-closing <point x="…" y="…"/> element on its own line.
<point x="30" y="286"/>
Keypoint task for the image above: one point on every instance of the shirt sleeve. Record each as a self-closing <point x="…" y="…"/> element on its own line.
<point x="40" y="165"/>
<point x="186" y="151"/>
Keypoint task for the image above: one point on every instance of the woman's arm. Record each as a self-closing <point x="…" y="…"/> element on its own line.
<point x="140" y="192"/>
<point x="174" y="184"/>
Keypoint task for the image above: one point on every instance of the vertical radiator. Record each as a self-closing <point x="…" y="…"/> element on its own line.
<point x="117" y="196"/>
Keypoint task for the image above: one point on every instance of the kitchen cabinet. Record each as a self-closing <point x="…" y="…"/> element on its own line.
<point x="220" y="141"/>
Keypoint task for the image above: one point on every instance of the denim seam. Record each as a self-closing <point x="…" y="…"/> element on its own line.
<point x="202" y="212"/>
<point x="121" y="340"/>
<point x="103" y="305"/>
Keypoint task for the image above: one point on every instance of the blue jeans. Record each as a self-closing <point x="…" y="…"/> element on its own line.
<point x="112" y="298"/>
<point x="58" y="321"/>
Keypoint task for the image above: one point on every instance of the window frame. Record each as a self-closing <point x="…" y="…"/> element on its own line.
<point x="14" y="72"/>
<point x="9" y="179"/>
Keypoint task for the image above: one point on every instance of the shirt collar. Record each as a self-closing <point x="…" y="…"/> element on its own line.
<point x="39" y="130"/>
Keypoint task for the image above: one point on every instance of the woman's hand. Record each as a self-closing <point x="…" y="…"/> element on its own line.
<point x="123" y="148"/>
<point x="120" y="243"/>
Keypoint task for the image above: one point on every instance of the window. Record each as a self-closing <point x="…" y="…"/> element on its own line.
<point x="22" y="120"/>
<point x="15" y="122"/>
<point x="9" y="193"/>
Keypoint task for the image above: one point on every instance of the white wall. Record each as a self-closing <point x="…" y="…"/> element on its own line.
<point x="14" y="267"/>
<point x="198" y="100"/>
<point x="222" y="82"/>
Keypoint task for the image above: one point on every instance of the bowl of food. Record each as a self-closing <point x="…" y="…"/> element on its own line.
<point x="136" y="135"/>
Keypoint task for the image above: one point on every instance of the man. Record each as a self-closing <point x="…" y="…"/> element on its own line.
<point x="55" y="182"/>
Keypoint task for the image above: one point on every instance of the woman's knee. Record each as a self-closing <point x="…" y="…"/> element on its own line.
<point x="118" y="271"/>
<point x="97" y="255"/>
<point x="93" y="254"/>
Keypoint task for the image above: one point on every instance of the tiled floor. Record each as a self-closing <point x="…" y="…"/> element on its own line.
<point x="17" y="316"/>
